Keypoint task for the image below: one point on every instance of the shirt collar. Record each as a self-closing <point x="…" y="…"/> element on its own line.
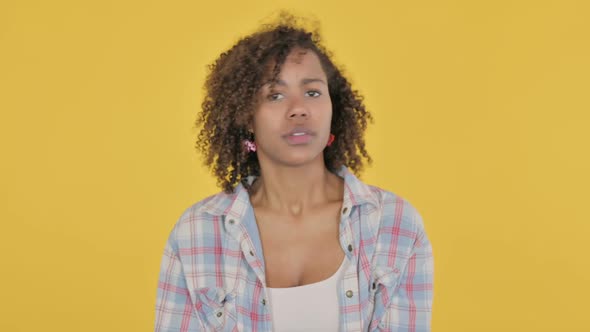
<point x="236" y="204"/>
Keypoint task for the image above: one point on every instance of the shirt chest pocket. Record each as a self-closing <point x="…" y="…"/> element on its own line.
<point x="216" y="308"/>
<point x="383" y="285"/>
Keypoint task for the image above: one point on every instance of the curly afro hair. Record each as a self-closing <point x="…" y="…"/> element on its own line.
<point x="231" y="87"/>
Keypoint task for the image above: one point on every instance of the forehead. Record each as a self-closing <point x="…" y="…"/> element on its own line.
<point x="298" y="61"/>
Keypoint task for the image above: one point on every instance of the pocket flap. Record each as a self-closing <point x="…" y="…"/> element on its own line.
<point x="211" y="298"/>
<point x="386" y="276"/>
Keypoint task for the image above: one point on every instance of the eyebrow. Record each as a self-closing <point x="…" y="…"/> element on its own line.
<point x="303" y="81"/>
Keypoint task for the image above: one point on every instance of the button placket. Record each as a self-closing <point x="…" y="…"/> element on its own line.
<point x="349" y="291"/>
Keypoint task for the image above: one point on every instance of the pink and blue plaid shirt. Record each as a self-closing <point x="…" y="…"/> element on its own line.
<point x="212" y="272"/>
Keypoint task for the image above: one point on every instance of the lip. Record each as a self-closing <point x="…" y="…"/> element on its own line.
<point x="299" y="136"/>
<point x="297" y="130"/>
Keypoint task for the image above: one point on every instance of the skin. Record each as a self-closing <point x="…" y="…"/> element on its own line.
<point x="296" y="200"/>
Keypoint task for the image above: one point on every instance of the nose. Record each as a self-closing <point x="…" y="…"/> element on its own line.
<point x="298" y="109"/>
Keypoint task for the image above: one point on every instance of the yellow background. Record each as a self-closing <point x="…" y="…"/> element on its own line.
<point x="482" y="121"/>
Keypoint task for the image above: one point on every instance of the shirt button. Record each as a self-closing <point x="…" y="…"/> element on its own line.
<point x="344" y="210"/>
<point x="231" y="221"/>
<point x="251" y="253"/>
<point x="263" y="302"/>
<point x="348" y="293"/>
<point x="219" y="314"/>
<point x="350" y="247"/>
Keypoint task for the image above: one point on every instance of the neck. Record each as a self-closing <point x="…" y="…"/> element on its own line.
<point x="295" y="190"/>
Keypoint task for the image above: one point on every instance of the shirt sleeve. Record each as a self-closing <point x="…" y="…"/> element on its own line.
<point x="411" y="307"/>
<point x="174" y="307"/>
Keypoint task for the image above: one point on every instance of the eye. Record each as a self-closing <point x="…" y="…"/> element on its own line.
<point x="275" y="96"/>
<point x="313" y="93"/>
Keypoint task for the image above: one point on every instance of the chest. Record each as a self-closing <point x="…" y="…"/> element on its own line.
<point x="222" y="274"/>
<point x="300" y="252"/>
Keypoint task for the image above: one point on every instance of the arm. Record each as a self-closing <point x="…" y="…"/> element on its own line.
<point x="174" y="308"/>
<point x="411" y="307"/>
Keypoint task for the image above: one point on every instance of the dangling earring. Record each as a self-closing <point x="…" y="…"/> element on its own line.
<point x="250" y="145"/>
<point x="331" y="139"/>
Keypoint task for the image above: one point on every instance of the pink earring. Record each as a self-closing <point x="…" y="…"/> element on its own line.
<point x="250" y="146"/>
<point x="331" y="139"/>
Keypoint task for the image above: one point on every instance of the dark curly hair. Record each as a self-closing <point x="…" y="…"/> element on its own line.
<point x="231" y="87"/>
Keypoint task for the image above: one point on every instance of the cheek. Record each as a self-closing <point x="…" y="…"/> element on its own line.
<point x="265" y="120"/>
<point x="327" y="109"/>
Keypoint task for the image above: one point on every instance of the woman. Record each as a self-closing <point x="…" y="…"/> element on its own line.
<point x="295" y="242"/>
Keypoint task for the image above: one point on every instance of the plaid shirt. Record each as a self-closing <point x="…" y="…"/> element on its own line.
<point x="212" y="272"/>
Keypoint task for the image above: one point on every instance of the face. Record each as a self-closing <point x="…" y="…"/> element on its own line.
<point x="292" y="118"/>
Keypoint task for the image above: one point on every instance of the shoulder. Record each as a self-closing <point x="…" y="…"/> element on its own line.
<point x="399" y="232"/>
<point x="393" y="210"/>
<point x="398" y="216"/>
<point x="213" y="205"/>
<point x="200" y="218"/>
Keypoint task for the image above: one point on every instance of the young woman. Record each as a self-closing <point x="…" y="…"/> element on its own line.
<point x="295" y="241"/>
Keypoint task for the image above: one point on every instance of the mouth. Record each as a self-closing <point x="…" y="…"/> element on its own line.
<point x="299" y="137"/>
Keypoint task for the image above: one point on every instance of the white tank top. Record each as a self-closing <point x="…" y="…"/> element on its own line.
<point x="311" y="307"/>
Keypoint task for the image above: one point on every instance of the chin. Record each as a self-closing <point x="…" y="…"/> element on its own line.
<point x="292" y="157"/>
<point x="299" y="159"/>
